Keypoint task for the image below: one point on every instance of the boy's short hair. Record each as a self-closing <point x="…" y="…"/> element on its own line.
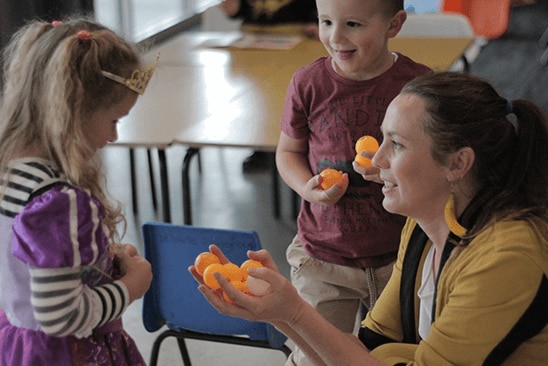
<point x="390" y="7"/>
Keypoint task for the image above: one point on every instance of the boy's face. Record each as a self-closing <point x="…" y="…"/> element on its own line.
<point x="355" y="33"/>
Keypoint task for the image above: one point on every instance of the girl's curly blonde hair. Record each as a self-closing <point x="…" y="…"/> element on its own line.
<point x="52" y="84"/>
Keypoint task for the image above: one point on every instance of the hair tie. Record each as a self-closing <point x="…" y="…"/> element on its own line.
<point x="56" y="23"/>
<point x="509" y="106"/>
<point x="83" y="35"/>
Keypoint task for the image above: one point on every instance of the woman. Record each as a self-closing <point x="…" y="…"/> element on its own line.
<point x="471" y="290"/>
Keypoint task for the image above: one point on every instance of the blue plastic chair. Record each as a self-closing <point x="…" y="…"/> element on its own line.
<point x="174" y="300"/>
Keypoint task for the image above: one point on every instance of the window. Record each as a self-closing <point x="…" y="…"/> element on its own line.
<point x="138" y="20"/>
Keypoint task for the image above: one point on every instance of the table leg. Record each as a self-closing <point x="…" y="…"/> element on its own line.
<point x="133" y="185"/>
<point x="296" y="201"/>
<point x="187" y="208"/>
<point x="164" y="183"/>
<point x="275" y="190"/>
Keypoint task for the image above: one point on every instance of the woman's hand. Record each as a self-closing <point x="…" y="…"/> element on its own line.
<point x="370" y="173"/>
<point x="280" y="303"/>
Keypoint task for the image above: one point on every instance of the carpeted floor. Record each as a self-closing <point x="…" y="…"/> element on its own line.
<point x="512" y="62"/>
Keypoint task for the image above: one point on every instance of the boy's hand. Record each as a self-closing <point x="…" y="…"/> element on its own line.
<point x="314" y="193"/>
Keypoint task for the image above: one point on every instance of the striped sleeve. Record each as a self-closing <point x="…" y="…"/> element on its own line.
<point x="63" y="305"/>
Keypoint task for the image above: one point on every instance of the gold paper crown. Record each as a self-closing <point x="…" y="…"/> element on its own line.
<point x="139" y="78"/>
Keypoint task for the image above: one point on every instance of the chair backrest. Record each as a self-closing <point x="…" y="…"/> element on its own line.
<point x="442" y="25"/>
<point x="489" y="18"/>
<point x="173" y="298"/>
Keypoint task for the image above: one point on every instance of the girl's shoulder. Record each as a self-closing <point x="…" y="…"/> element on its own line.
<point x="26" y="178"/>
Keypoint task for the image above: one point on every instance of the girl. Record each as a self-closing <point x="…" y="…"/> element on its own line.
<point x="64" y="284"/>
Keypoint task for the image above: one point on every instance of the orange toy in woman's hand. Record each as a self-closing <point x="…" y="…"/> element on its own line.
<point x="250" y="263"/>
<point x="365" y="143"/>
<point x="209" y="275"/>
<point x="330" y="177"/>
<point x="206" y="264"/>
<point x="203" y="260"/>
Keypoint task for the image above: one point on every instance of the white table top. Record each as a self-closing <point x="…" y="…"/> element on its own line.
<point x="203" y="96"/>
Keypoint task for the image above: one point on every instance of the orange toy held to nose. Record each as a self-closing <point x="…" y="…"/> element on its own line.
<point x="330" y="177"/>
<point x="365" y="143"/>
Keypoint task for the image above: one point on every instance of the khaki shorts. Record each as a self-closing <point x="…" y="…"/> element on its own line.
<point x="340" y="293"/>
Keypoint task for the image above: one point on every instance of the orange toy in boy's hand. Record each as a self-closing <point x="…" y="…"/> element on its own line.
<point x="365" y="143"/>
<point x="330" y="177"/>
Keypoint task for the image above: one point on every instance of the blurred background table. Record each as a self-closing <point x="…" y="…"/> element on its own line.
<point x="204" y="95"/>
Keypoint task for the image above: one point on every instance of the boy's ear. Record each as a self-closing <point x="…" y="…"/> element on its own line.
<point x="396" y="23"/>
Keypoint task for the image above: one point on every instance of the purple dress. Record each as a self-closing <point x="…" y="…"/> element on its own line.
<point x="60" y="228"/>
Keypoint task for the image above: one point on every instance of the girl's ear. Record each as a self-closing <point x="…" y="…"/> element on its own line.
<point x="460" y="163"/>
<point x="396" y="23"/>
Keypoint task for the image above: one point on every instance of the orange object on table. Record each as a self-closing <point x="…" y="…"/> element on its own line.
<point x="489" y="18"/>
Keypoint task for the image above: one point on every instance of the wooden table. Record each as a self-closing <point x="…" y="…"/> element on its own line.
<point x="203" y="96"/>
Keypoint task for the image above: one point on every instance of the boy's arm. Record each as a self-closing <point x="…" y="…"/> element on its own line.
<point x="292" y="164"/>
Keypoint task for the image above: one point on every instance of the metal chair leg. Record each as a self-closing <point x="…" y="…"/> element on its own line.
<point x="155" y="352"/>
<point x="184" y="351"/>
<point x="152" y="184"/>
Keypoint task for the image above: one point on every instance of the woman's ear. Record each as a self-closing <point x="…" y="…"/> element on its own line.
<point x="396" y="23"/>
<point x="460" y="163"/>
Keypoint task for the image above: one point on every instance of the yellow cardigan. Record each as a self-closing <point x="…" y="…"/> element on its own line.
<point x="491" y="303"/>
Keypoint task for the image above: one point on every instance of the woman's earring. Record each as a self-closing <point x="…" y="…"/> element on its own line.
<point x="451" y="216"/>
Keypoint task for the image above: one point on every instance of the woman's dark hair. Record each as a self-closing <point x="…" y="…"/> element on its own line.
<point x="509" y="139"/>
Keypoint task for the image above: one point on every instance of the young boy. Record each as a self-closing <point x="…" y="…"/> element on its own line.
<point x="275" y="16"/>
<point x="346" y="244"/>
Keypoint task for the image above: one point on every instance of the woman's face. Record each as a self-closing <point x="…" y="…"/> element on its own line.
<point x="415" y="185"/>
<point x="101" y="126"/>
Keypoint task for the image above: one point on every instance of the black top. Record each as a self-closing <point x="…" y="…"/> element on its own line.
<point x="272" y="12"/>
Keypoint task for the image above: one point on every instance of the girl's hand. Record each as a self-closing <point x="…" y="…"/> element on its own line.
<point x="136" y="271"/>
